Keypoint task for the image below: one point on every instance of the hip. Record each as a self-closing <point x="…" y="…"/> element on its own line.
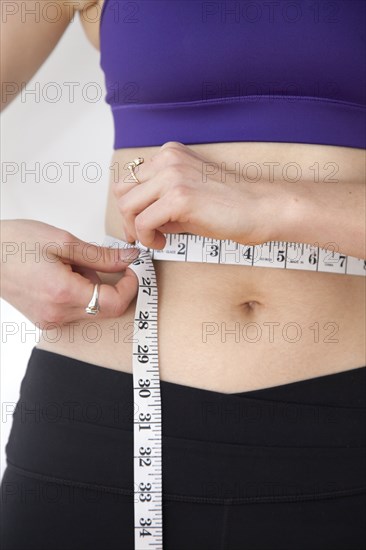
<point x="232" y="328"/>
<point x="279" y="457"/>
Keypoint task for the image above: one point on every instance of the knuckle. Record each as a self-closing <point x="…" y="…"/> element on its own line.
<point x="67" y="243"/>
<point x="65" y="237"/>
<point x="116" y="189"/>
<point x="171" y="155"/>
<point x="109" y="254"/>
<point x="50" y="314"/>
<point x="127" y="235"/>
<point x="124" y="205"/>
<point x="172" y="145"/>
<point x="60" y="294"/>
<point x="180" y="171"/>
<point x="173" y="174"/>
<point x="180" y="192"/>
<point x="119" y="187"/>
<point x="118" y="308"/>
<point x="140" y="223"/>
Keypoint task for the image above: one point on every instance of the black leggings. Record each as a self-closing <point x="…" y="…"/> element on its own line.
<point x="279" y="468"/>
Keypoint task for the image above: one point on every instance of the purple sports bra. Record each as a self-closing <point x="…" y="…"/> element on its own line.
<point x="199" y="71"/>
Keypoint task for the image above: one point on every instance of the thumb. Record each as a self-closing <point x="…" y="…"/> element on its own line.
<point x="99" y="258"/>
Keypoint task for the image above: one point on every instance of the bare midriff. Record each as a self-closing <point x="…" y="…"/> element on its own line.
<point x="229" y="328"/>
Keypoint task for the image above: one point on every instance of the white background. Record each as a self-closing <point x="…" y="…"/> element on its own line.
<point x="34" y="128"/>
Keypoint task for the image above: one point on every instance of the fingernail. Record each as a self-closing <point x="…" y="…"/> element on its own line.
<point x="129" y="254"/>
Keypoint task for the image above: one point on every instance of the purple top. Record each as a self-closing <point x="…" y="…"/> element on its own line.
<point x="200" y="72"/>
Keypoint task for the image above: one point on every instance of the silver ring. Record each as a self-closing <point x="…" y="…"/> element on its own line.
<point x="93" y="306"/>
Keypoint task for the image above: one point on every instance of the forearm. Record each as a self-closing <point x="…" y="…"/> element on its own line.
<point x="331" y="216"/>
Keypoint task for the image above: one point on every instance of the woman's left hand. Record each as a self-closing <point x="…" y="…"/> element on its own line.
<point x="176" y="196"/>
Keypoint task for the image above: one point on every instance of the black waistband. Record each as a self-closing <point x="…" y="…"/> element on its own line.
<point x="74" y="421"/>
<point x="324" y="411"/>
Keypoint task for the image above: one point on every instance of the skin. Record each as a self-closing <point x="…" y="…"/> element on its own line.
<point x="172" y="197"/>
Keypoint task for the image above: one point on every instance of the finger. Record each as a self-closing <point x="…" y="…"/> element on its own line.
<point x="173" y="152"/>
<point x="143" y="173"/>
<point x="99" y="258"/>
<point x="174" y="227"/>
<point x="170" y="153"/>
<point x="87" y="273"/>
<point x="147" y="222"/>
<point x="113" y="300"/>
<point x="139" y="198"/>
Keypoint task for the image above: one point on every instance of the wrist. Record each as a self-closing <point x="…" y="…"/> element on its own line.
<point x="257" y="204"/>
<point x="289" y="208"/>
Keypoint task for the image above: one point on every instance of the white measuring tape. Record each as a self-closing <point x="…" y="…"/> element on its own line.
<point x="147" y="428"/>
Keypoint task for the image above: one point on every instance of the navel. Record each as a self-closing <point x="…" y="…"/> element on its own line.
<point x="250" y="305"/>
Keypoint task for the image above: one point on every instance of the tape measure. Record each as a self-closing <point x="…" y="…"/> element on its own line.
<point x="147" y="448"/>
<point x="147" y="429"/>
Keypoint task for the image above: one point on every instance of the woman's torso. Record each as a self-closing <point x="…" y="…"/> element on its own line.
<point x="270" y="326"/>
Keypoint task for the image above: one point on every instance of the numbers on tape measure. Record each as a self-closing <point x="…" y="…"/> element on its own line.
<point x="146" y="282"/>
<point x="142" y="349"/>
<point x="214" y="250"/>
<point x="247" y="254"/>
<point x="312" y="258"/>
<point x="143" y="324"/>
<point x="144" y="532"/>
<point x="144" y="459"/>
<point x="144" y="383"/>
<point x="145" y="497"/>
<point x="145" y="419"/>
<point x="145" y="522"/>
<point x="145" y="462"/>
<point x="145" y="451"/>
<point x="275" y="254"/>
<point x="138" y="261"/>
<point x="145" y="494"/>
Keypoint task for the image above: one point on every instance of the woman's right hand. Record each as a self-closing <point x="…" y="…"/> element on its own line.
<point x="48" y="274"/>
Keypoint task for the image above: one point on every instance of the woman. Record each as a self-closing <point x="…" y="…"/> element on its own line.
<point x="246" y="135"/>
